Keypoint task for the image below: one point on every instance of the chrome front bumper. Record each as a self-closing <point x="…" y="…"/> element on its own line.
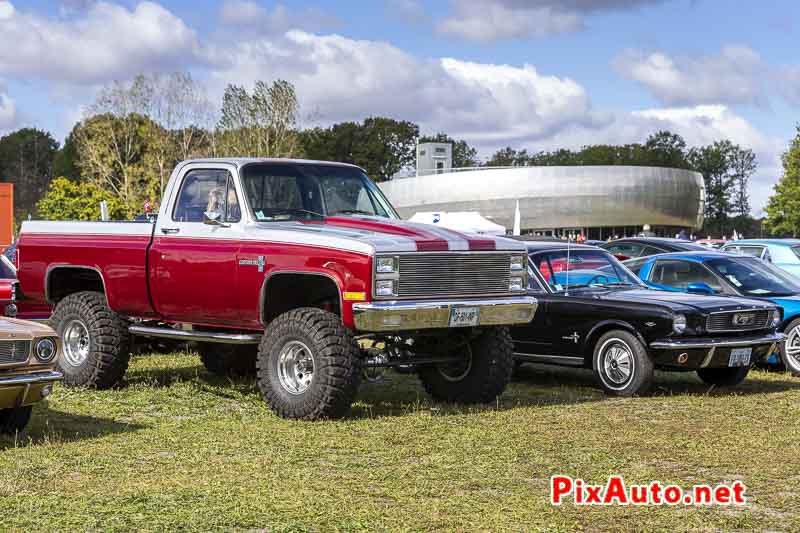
<point x="413" y="315"/>
<point x="706" y="342"/>
<point x="25" y="389"/>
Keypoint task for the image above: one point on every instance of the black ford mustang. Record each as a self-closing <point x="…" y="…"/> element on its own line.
<point x="594" y="313"/>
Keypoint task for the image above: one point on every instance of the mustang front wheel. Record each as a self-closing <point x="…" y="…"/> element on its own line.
<point x="621" y="364"/>
<point x="790" y="349"/>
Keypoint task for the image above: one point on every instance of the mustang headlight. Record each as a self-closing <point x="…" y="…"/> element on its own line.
<point x="775" y="319"/>
<point x="679" y="324"/>
<point x="386" y="265"/>
<point x="45" y="350"/>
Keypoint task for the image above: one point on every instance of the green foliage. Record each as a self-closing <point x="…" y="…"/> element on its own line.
<point x="26" y="160"/>
<point x="69" y="200"/>
<point x="783" y="209"/>
<point x="382" y="146"/>
<point x="464" y="155"/>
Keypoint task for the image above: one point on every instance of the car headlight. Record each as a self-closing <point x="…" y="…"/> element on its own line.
<point x="386" y="265"/>
<point x="517" y="263"/>
<point x="776" y="318"/>
<point x="385" y="287"/>
<point x="45" y="350"/>
<point x="516" y="284"/>
<point x="679" y="324"/>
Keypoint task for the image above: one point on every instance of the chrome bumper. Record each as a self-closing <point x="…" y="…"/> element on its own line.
<point x="689" y="344"/>
<point x="34" y="378"/>
<point x="413" y="315"/>
<point x="26" y="389"/>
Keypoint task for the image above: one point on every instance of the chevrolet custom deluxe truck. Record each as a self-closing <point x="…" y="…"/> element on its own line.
<point x="303" y="259"/>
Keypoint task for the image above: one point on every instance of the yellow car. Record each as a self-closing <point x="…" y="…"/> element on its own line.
<point x="28" y="353"/>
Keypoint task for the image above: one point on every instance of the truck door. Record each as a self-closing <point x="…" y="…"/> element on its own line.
<point x="193" y="258"/>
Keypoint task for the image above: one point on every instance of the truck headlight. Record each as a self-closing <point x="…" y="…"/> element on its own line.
<point x="386" y="265"/>
<point x="45" y="350"/>
<point x="516" y="283"/>
<point x="517" y="263"/>
<point x="679" y="324"/>
<point x="775" y="321"/>
<point x="385" y="287"/>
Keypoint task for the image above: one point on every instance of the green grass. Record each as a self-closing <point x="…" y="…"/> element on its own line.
<point x="176" y="448"/>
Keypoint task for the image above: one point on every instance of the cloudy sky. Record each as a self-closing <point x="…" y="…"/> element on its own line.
<point x="535" y="74"/>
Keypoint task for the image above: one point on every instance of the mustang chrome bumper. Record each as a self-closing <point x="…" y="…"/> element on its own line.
<point x="706" y="342"/>
<point x="423" y="314"/>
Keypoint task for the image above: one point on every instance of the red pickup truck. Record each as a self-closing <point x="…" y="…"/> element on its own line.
<point x="283" y="266"/>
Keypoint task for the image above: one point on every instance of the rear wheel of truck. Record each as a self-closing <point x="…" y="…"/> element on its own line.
<point x="482" y="374"/>
<point x="723" y="377"/>
<point x="228" y="359"/>
<point x="309" y="365"/>
<point x="14" y="420"/>
<point x="95" y="341"/>
<point x="621" y="364"/>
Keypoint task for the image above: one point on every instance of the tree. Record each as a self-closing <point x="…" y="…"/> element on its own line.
<point x="464" y="155"/>
<point x="509" y="157"/>
<point x="66" y="160"/>
<point x="382" y="146"/>
<point x="263" y="124"/>
<point x="69" y="200"/>
<point x="743" y="165"/>
<point x="713" y="162"/>
<point x="665" y="149"/>
<point x="783" y="208"/>
<point x="26" y="160"/>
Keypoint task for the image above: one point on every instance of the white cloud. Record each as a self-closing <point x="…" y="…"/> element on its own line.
<point x="409" y="10"/>
<point x="733" y="76"/>
<point x="492" y="20"/>
<point x="8" y="112"/>
<point x="248" y="15"/>
<point x="108" y="42"/>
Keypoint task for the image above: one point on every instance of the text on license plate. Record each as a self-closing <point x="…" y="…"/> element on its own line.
<point x="462" y="317"/>
<point x="740" y="357"/>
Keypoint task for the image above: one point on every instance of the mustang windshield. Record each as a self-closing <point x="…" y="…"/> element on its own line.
<point x="585" y="268"/>
<point x="751" y="276"/>
<point x="290" y="191"/>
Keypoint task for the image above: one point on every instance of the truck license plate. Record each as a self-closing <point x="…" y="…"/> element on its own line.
<point x="463" y="317"/>
<point x="740" y="357"/>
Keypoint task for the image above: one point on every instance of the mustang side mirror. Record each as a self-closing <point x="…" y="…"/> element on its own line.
<point x="213" y="218"/>
<point x="700" y="288"/>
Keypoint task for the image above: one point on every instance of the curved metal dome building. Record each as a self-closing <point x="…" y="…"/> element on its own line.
<point x="599" y="201"/>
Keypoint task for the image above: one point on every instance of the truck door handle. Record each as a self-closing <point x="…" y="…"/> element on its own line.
<point x="170" y="230"/>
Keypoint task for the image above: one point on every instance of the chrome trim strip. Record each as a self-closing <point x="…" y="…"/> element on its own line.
<point x="200" y="336"/>
<point x="717" y="343"/>
<point x="552" y="359"/>
<point x="435" y="314"/>
<point x="31" y="379"/>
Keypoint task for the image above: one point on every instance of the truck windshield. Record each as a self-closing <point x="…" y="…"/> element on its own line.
<point x="304" y="191"/>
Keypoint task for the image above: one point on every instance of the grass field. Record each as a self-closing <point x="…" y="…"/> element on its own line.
<point x="178" y="448"/>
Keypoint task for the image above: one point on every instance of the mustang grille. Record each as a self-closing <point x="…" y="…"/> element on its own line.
<point x="423" y="274"/>
<point x="738" y="320"/>
<point x="14" y="352"/>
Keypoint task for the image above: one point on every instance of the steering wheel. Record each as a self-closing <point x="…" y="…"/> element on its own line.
<point x="598" y="277"/>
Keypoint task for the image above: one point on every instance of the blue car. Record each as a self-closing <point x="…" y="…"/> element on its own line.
<point x="723" y="273"/>
<point x="783" y="253"/>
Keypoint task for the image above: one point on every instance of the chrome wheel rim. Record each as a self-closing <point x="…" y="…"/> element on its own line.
<point x="792" y="349"/>
<point x="617" y="360"/>
<point x="457" y="371"/>
<point x="76" y="342"/>
<point x="295" y="367"/>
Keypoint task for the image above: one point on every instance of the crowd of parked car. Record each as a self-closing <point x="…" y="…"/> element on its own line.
<point x="460" y="310"/>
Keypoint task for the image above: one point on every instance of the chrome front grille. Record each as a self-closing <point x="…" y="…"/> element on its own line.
<point x="738" y="320"/>
<point x="453" y="274"/>
<point x="14" y="352"/>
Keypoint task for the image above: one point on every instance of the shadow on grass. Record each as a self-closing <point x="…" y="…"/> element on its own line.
<point x="49" y="425"/>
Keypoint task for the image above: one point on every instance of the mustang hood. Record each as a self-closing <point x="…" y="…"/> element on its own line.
<point x="372" y="235"/>
<point x="680" y="300"/>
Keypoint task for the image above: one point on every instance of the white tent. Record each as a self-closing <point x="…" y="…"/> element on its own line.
<point x="466" y="221"/>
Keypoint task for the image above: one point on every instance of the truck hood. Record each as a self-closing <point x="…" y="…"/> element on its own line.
<point x="373" y="235"/>
<point x="682" y="302"/>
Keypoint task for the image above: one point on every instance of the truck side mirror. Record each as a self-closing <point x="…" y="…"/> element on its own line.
<point x="700" y="288"/>
<point x="213" y="218"/>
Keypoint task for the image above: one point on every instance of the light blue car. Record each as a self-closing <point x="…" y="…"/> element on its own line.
<point x="783" y="253"/>
<point x="722" y="273"/>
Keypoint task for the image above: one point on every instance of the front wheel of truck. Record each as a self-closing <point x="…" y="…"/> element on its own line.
<point x="95" y="341"/>
<point x="309" y="365"/>
<point x="479" y="376"/>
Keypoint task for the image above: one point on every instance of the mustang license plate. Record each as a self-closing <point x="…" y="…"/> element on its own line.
<point x="740" y="357"/>
<point x="463" y="317"/>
